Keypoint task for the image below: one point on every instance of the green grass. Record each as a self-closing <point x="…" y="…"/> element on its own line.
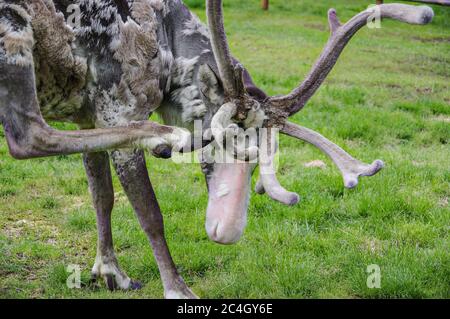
<point x="387" y="98"/>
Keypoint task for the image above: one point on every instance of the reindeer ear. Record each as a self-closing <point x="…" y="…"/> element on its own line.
<point x="210" y="85"/>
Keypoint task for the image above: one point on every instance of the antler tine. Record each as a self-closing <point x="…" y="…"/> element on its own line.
<point x="268" y="182"/>
<point x="350" y="167"/>
<point x="239" y="107"/>
<point x="231" y="76"/>
<point x="340" y="36"/>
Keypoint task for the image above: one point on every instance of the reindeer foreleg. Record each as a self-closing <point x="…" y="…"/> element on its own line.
<point x="28" y="135"/>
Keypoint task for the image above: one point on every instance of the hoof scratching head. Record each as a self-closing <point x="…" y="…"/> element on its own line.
<point x="427" y="15"/>
<point x="162" y="151"/>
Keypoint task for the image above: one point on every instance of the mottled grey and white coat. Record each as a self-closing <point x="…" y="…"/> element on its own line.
<point x="125" y="59"/>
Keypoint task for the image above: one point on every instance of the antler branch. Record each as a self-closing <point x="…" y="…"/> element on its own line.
<point x="268" y="182"/>
<point x="350" y="167"/>
<point x="239" y="107"/>
<point x="278" y="108"/>
<point x="340" y="36"/>
<point x="231" y="75"/>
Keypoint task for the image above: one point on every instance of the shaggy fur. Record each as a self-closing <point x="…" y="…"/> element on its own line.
<point x="16" y="42"/>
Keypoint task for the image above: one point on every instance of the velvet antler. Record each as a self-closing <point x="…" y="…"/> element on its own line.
<point x="278" y="109"/>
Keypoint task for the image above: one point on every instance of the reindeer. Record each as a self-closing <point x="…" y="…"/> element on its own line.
<point x="129" y="58"/>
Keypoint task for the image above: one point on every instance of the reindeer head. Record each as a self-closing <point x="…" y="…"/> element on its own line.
<point x="228" y="183"/>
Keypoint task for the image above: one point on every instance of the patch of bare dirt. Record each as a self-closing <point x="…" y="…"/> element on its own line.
<point x="17" y="229"/>
<point x="393" y="86"/>
<point x="77" y="202"/>
<point x="432" y="40"/>
<point x="424" y="90"/>
<point x="442" y="118"/>
<point x="443" y="202"/>
<point x="316" y="26"/>
<point x="120" y="197"/>
<point x="374" y="246"/>
<point x="316" y="163"/>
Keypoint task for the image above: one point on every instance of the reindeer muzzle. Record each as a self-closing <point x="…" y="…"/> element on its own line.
<point x="229" y="191"/>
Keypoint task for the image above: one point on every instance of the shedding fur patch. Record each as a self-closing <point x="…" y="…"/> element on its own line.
<point x="98" y="18"/>
<point x="142" y="62"/>
<point x="166" y="62"/>
<point x="161" y="5"/>
<point x="209" y="85"/>
<point x="112" y="111"/>
<point x="136" y="48"/>
<point x="183" y="71"/>
<point x="192" y="106"/>
<point x="59" y="82"/>
<point x="55" y="39"/>
<point x="16" y="41"/>
<point x="186" y="93"/>
<point x="195" y="26"/>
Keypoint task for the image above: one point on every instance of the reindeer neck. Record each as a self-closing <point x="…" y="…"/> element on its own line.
<point x="186" y="51"/>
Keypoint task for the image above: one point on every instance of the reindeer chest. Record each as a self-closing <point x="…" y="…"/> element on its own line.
<point x="60" y="74"/>
<point x="124" y="68"/>
<point x="59" y="94"/>
<point x="121" y="92"/>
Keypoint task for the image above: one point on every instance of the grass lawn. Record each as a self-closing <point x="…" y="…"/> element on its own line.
<point x="388" y="98"/>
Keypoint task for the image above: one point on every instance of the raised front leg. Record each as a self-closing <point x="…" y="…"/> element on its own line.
<point x="100" y="184"/>
<point x="28" y="135"/>
<point x="26" y="132"/>
<point x="133" y="175"/>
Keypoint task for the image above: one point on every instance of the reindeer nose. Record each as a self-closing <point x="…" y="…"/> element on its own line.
<point x="222" y="233"/>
